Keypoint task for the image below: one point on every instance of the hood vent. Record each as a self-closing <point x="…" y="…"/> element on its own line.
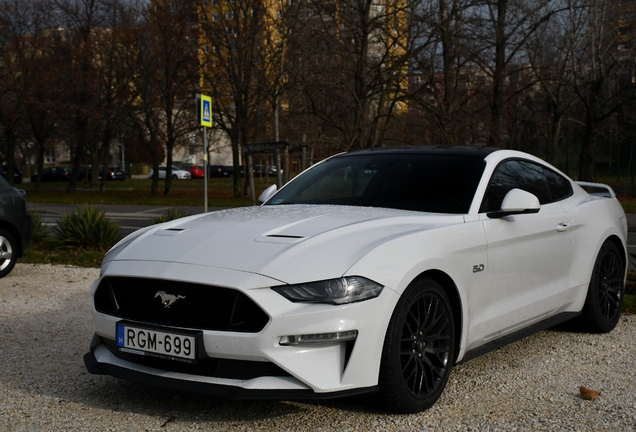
<point x="279" y="238"/>
<point x="285" y="236"/>
<point x="169" y="232"/>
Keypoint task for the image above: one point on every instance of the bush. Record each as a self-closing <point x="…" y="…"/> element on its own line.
<point x="39" y="232"/>
<point x="87" y="228"/>
<point x="171" y="214"/>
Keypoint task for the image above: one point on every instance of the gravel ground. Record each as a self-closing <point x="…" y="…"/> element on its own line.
<point x="46" y="326"/>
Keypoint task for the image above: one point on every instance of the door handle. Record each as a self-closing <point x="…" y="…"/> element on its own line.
<point x="564" y="226"/>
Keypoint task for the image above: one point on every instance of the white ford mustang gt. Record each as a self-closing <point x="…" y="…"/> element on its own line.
<point x="372" y="271"/>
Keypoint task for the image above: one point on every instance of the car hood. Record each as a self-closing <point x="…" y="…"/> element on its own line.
<point x="293" y="244"/>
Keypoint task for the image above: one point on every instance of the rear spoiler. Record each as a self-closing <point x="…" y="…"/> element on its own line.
<point x="597" y="189"/>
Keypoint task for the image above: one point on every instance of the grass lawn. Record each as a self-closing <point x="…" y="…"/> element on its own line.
<point x="628" y="203"/>
<point x="46" y="252"/>
<point x="132" y="191"/>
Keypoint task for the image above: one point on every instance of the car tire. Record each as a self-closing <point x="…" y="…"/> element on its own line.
<point x="174" y="176"/>
<point x="604" y="300"/>
<point x="8" y="252"/>
<point x="419" y="349"/>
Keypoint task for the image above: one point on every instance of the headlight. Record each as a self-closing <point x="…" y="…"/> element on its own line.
<point x="334" y="291"/>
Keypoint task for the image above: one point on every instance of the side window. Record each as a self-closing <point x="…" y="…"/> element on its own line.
<point x="517" y="174"/>
<point x="560" y="187"/>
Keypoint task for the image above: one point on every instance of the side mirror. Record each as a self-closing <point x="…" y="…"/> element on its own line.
<point x="516" y="202"/>
<point x="268" y="193"/>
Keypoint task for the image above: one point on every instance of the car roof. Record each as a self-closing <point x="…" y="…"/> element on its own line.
<point x="480" y="152"/>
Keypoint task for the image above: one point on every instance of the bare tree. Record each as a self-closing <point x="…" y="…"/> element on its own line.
<point x="142" y="101"/>
<point x="447" y="89"/>
<point x="175" y="40"/>
<point x="550" y="52"/>
<point x="501" y="29"/>
<point x="597" y="69"/>
<point x="15" y="28"/>
<point x="354" y="66"/>
<point x="113" y="81"/>
<point x="75" y="48"/>
<point x="38" y="78"/>
<point x="338" y="74"/>
<point x="232" y="61"/>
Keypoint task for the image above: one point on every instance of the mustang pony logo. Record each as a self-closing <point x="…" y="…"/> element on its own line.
<point x="168" y="299"/>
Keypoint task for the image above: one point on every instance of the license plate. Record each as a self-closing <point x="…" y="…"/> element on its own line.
<point x="154" y="342"/>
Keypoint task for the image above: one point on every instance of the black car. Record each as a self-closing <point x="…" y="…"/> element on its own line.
<point x="113" y="173"/>
<point x="15" y="226"/>
<point x="220" y="170"/>
<point x="260" y="170"/>
<point x="53" y="174"/>
<point x="273" y="171"/>
<point x="17" y="174"/>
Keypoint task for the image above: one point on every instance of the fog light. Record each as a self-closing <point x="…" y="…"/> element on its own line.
<point x="320" y="338"/>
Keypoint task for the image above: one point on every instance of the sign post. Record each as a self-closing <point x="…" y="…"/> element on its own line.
<point x="204" y="110"/>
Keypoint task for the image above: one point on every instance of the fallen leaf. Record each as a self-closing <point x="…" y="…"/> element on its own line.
<point x="588" y="394"/>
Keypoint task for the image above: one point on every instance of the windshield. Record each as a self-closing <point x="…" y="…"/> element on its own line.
<point x="440" y="183"/>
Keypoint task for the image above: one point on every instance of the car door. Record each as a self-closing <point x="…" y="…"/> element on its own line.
<point x="529" y="255"/>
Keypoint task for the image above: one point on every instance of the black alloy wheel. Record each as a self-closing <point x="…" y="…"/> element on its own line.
<point x="605" y="294"/>
<point x="419" y="348"/>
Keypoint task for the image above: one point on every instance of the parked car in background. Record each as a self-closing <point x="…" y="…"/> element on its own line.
<point x="372" y="271"/>
<point x="53" y="174"/>
<point x="15" y="226"/>
<point x="17" y="174"/>
<point x="114" y="173"/>
<point x="220" y="170"/>
<point x="177" y="173"/>
<point x="194" y="170"/>
<point x="263" y="170"/>
<point x="272" y="170"/>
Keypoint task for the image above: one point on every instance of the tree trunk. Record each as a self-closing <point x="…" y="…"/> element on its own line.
<point x="497" y="108"/>
<point x="588" y="151"/>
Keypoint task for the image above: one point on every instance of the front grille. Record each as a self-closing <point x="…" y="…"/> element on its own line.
<point x="196" y="306"/>
<point x="209" y="367"/>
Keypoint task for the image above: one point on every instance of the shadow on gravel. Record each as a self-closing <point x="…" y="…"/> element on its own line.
<point x="119" y="395"/>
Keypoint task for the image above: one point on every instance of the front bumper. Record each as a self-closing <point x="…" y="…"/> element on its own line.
<point x="307" y="372"/>
<point x="102" y="362"/>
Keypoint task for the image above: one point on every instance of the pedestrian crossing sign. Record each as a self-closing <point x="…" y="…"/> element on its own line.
<point x="205" y="111"/>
